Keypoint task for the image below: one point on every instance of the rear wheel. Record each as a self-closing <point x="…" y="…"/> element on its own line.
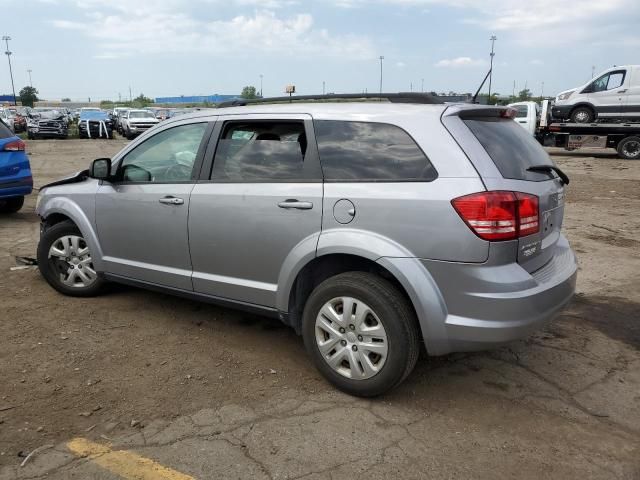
<point x="629" y="148"/>
<point x="65" y="261"/>
<point x="361" y="333"/>
<point x="582" y="115"/>
<point x="11" y="205"/>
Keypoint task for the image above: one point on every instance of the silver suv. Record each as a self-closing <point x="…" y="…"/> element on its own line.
<point x="368" y="227"/>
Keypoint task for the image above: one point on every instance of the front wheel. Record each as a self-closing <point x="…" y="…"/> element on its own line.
<point x="629" y="148"/>
<point x="65" y="261"/>
<point x="361" y="333"/>
<point x="582" y="115"/>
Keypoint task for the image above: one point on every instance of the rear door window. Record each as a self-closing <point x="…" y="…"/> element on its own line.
<point x="370" y="152"/>
<point x="261" y="151"/>
<point x="512" y="148"/>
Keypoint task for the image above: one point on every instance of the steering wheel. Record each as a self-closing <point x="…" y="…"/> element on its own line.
<point x="178" y="172"/>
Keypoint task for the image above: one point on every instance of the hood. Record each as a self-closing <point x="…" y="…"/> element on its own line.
<point x="93" y="115"/>
<point x="144" y="120"/>
<point x="48" y="115"/>
<point x="80" y="176"/>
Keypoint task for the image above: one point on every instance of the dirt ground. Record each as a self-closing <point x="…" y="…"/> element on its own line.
<point x="214" y="393"/>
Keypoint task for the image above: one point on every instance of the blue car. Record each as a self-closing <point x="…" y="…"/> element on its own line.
<point x="15" y="172"/>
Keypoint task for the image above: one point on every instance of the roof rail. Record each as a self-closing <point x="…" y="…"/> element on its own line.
<point x="406" y="97"/>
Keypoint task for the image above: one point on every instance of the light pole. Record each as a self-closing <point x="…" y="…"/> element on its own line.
<point x="30" y="82"/>
<point x="261" y="76"/>
<point x="422" y="88"/>
<point x="493" y="41"/>
<point x="381" y="59"/>
<point x="323" y="88"/>
<point x="6" y="38"/>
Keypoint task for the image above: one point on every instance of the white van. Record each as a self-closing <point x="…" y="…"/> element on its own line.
<point x="615" y="93"/>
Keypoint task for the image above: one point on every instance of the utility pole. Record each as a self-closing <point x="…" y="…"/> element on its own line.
<point x="542" y="90"/>
<point x="323" y="88"/>
<point x="593" y="71"/>
<point x="30" y="82"/>
<point x="411" y="87"/>
<point x="513" y="93"/>
<point x="422" y="89"/>
<point x="130" y="96"/>
<point x="381" y="59"/>
<point x="6" y="38"/>
<point x="493" y="41"/>
<point x="261" y="76"/>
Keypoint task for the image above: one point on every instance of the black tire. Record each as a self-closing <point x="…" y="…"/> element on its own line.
<point x="394" y="312"/>
<point x="11" y="205"/>
<point x="629" y="148"/>
<point x="50" y="268"/>
<point x="582" y="115"/>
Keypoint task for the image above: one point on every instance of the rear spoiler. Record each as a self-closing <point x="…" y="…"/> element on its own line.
<point x="478" y="111"/>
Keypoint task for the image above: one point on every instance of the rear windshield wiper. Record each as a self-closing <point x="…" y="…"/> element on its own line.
<point x="549" y="169"/>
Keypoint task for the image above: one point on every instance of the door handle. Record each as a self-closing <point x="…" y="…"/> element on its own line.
<point x="292" y="203"/>
<point x="171" y="201"/>
<point x="622" y="91"/>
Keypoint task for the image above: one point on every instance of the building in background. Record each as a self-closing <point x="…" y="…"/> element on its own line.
<point x="196" y="99"/>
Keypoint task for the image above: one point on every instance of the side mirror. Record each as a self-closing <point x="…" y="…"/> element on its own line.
<point x="100" y="169"/>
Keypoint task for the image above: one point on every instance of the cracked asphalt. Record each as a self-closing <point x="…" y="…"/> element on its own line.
<point x="135" y="384"/>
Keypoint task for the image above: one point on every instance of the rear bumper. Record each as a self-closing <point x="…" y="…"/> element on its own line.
<point x="491" y="305"/>
<point x="16" y="188"/>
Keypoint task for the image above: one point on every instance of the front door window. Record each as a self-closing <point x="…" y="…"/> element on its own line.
<point x="167" y="157"/>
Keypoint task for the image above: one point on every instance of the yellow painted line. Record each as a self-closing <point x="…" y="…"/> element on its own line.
<point x="126" y="464"/>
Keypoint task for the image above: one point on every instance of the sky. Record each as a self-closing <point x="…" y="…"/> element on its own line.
<point x="98" y="49"/>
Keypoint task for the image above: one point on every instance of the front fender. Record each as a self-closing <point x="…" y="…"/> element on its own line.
<point x="69" y="208"/>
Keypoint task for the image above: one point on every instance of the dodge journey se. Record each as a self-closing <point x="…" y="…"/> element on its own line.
<point x="374" y="229"/>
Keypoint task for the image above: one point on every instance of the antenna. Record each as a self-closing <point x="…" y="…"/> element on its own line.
<point x="473" y="100"/>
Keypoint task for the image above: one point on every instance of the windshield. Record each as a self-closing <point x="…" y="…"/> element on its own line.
<point x="141" y="115"/>
<point x="511" y="148"/>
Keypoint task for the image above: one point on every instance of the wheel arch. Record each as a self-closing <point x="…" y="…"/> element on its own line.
<point x="60" y="209"/>
<point x="588" y="105"/>
<point x="391" y="262"/>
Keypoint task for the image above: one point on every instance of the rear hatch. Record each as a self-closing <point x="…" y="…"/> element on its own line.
<point x="513" y="151"/>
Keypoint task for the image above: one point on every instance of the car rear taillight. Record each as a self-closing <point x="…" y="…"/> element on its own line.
<point x="499" y="215"/>
<point x="15" y="146"/>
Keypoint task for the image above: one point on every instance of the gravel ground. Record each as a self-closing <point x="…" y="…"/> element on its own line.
<point x="214" y="393"/>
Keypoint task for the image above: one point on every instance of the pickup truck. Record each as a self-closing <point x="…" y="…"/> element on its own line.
<point x="623" y="137"/>
<point x="136" y="122"/>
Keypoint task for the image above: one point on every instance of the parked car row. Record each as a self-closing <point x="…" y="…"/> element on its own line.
<point x="131" y="122"/>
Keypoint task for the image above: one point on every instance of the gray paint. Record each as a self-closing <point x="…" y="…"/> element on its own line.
<point x="231" y="241"/>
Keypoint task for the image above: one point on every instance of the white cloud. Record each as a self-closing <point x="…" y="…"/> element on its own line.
<point x="529" y="22"/>
<point x="163" y="29"/>
<point x="460" y="62"/>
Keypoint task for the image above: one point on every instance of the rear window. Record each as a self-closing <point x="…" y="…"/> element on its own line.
<point x="4" y="130"/>
<point x="521" y="111"/>
<point x="511" y="147"/>
<point x="370" y="152"/>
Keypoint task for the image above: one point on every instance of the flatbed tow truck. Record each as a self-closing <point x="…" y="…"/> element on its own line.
<point x="623" y="137"/>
